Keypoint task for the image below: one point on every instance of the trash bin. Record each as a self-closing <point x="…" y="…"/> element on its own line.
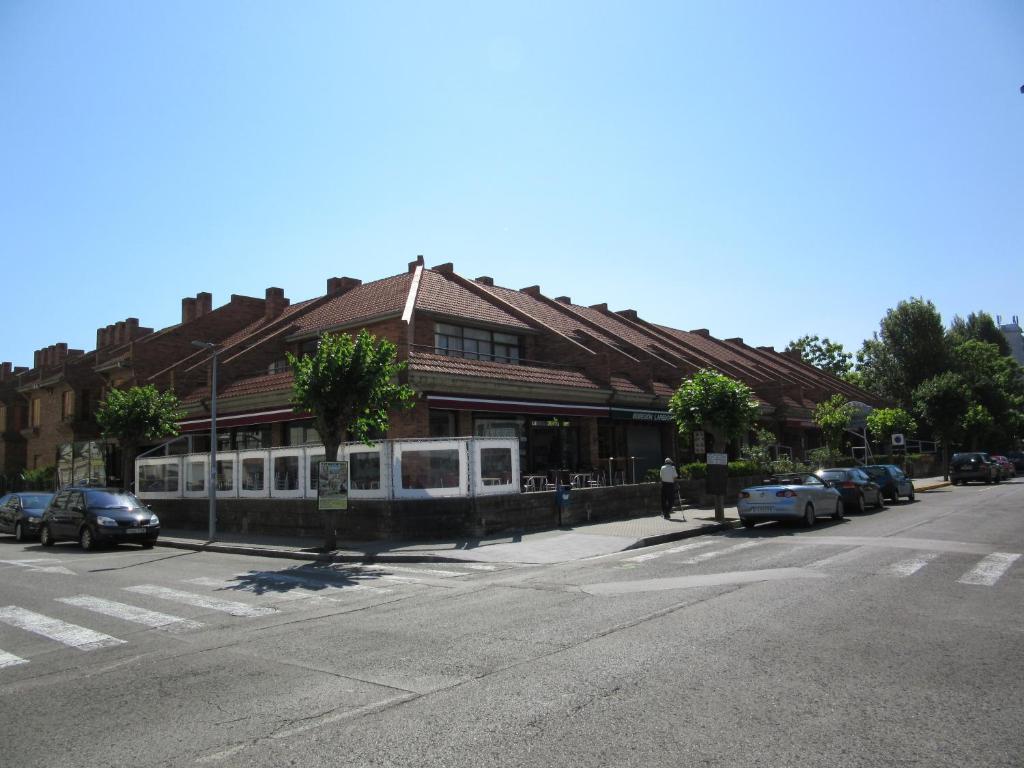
<point x="562" y="495"/>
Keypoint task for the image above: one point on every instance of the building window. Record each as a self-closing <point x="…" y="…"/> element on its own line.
<point x="67" y="404"/>
<point x="303" y="433"/>
<point x="442" y="423"/>
<point x="35" y="415"/>
<point x="475" y="343"/>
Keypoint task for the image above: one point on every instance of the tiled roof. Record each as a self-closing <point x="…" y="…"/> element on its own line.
<point x="663" y="390"/>
<point x="257" y="385"/>
<point x="623" y="384"/>
<point x="288" y="313"/>
<point x="617" y="329"/>
<point x="503" y="372"/>
<point x="443" y="296"/>
<point x="381" y="297"/>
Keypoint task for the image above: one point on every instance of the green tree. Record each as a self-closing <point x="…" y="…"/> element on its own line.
<point x="823" y="353"/>
<point x="909" y="348"/>
<point x="979" y="326"/>
<point x="135" y="416"/>
<point x="834" y="416"/>
<point x="886" y="422"/>
<point x="350" y="385"/>
<point x="976" y="424"/>
<point x="942" y="402"/>
<point x="715" y="402"/>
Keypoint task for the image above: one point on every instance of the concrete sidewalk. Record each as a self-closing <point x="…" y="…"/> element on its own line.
<point x="552" y="546"/>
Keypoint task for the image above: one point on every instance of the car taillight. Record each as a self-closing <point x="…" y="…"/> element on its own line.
<point x="786" y="493"/>
<point x="848" y="484"/>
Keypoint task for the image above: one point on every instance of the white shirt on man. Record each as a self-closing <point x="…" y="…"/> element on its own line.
<point x="668" y="473"/>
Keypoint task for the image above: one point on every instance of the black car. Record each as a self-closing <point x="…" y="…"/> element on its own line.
<point x="21" y="512"/>
<point x="973" y="466"/>
<point x="893" y="480"/>
<point x="1017" y="457"/>
<point x="96" y="515"/>
<point x="855" y="487"/>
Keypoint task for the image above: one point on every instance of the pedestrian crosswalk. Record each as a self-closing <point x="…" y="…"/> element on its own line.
<point x="987" y="572"/>
<point x="172" y="608"/>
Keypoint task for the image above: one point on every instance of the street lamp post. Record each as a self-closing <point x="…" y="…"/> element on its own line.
<point x="212" y="480"/>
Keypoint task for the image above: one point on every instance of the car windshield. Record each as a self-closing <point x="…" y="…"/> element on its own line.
<point x="833" y="474"/>
<point x="112" y="500"/>
<point x="36" y="500"/>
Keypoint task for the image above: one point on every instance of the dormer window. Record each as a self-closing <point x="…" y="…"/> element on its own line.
<point x="475" y="343"/>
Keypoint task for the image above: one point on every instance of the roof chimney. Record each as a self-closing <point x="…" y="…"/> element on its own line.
<point x="339" y="285"/>
<point x="767" y="349"/>
<point x="628" y="313"/>
<point x="599" y="307"/>
<point x="563" y="299"/>
<point x="735" y="340"/>
<point x="701" y="332"/>
<point x="445" y="269"/>
<point x="37" y="358"/>
<point x="188" y="310"/>
<point x="531" y="290"/>
<point x="485" y="280"/>
<point x="417" y="263"/>
<point x="274" y="303"/>
<point x="119" y="338"/>
<point x="204" y="303"/>
<point x="5" y="371"/>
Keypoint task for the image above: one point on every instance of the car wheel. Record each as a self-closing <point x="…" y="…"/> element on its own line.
<point x="879" y="502"/>
<point x="19" y="534"/>
<point x="988" y="481"/>
<point x="894" y="496"/>
<point x="86" y="539"/>
<point x="809" y="516"/>
<point x="910" y="496"/>
<point x="860" y="503"/>
<point x="838" y="513"/>
<point x="45" y="537"/>
<point x="148" y="544"/>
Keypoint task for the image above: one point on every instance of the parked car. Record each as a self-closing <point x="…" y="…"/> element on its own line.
<point x="892" y="479"/>
<point x="1017" y="457"/>
<point x="1006" y="468"/>
<point x="98" y="515"/>
<point x="855" y="487"/>
<point x="974" y="465"/>
<point x="21" y="512"/>
<point x="789" y="497"/>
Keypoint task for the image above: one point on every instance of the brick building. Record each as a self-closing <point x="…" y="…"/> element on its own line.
<point x="584" y="387"/>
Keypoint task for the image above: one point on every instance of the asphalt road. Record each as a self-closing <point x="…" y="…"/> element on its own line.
<point x="889" y="639"/>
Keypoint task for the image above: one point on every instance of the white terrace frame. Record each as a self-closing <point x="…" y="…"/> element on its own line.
<point x="493" y="485"/>
<point x="253" y="455"/>
<point x="279" y="456"/>
<point x="166" y="464"/>
<point x="406" y="448"/>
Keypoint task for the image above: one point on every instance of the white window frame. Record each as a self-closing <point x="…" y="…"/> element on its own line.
<point x="479" y="487"/>
<point x="232" y="456"/>
<point x="385" y="465"/>
<point x="399" y="448"/>
<point x="309" y="458"/>
<point x="298" y="493"/>
<point x="193" y="458"/>
<point x="253" y="453"/>
<point x="164" y="461"/>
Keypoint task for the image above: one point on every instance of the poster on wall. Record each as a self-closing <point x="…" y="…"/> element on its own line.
<point x="332" y="485"/>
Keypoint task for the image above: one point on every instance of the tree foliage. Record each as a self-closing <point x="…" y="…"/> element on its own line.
<point x="886" y="422"/>
<point x="711" y="400"/>
<point x="942" y="402"/>
<point x="834" y="416"/>
<point x="135" y="416"/>
<point x="823" y="353"/>
<point x="350" y="385"/>
<point x="909" y="348"/>
<point x="979" y="326"/>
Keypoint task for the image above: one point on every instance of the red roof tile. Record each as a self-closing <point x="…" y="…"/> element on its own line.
<point x="503" y="372"/>
<point x="442" y="296"/>
<point x="364" y="302"/>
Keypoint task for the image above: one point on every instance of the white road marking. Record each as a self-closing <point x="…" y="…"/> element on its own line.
<point x="734" y="548"/>
<point x="911" y="566"/>
<point x="36" y="565"/>
<point x="131" y="613"/>
<point x="674" y="550"/>
<point x="482" y="567"/>
<point x="989" y="570"/>
<point x="700" y="580"/>
<point x="201" y="601"/>
<point x="10" y="660"/>
<point x="421" y="571"/>
<point x="69" y="634"/>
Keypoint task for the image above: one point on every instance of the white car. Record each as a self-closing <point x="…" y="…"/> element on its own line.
<point x="797" y="496"/>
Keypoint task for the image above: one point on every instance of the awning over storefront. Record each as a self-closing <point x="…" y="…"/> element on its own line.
<point x="228" y="420"/>
<point x="512" y="406"/>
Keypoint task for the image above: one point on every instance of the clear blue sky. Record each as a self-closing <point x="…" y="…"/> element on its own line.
<point x="763" y="170"/>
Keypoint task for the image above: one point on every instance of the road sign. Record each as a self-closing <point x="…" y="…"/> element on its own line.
<point x="698" y="441"/>
<point x="897" y="439"/>
<point x="718" y="458"/>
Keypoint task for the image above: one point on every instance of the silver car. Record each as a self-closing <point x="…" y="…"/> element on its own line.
<point x="789" y="497"/>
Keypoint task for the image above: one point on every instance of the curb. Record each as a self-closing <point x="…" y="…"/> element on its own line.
<point x="662" y="538"/>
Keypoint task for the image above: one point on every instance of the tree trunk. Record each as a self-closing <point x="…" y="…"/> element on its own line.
<point x="945" y="461"/>
<point x="330" y="516"/>
<point x="128" y="451"/>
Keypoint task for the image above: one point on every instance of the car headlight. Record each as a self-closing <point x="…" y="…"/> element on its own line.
<point x="154" y="520"/>
<point x="34" y="520"/>
<point x="108" y="521"/>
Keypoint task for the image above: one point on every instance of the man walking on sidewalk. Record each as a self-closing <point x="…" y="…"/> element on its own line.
<point x="668" y="487"/>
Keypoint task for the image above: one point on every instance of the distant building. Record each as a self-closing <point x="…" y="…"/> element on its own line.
<point x="1014" y="337"/>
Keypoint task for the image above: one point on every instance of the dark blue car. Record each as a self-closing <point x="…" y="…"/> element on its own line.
<point x="855" y="487"/>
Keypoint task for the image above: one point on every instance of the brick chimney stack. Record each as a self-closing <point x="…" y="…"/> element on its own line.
<point x="563" y="299"/>
<point x="629" y="314"/>
<point x="5" y="371"/>
<point x="204" y="303"/>
<point x="445" y="269"/>
<point x="275" y="303"/>
<point x="417" y="263"/>
<point x="531" y="290"/>
<point x="188" y="310"/>
<point x="485" y="280"/>
<point x="339" y="285"/>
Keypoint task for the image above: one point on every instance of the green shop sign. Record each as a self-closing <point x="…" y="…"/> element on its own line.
<point x="627" y="414"/>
